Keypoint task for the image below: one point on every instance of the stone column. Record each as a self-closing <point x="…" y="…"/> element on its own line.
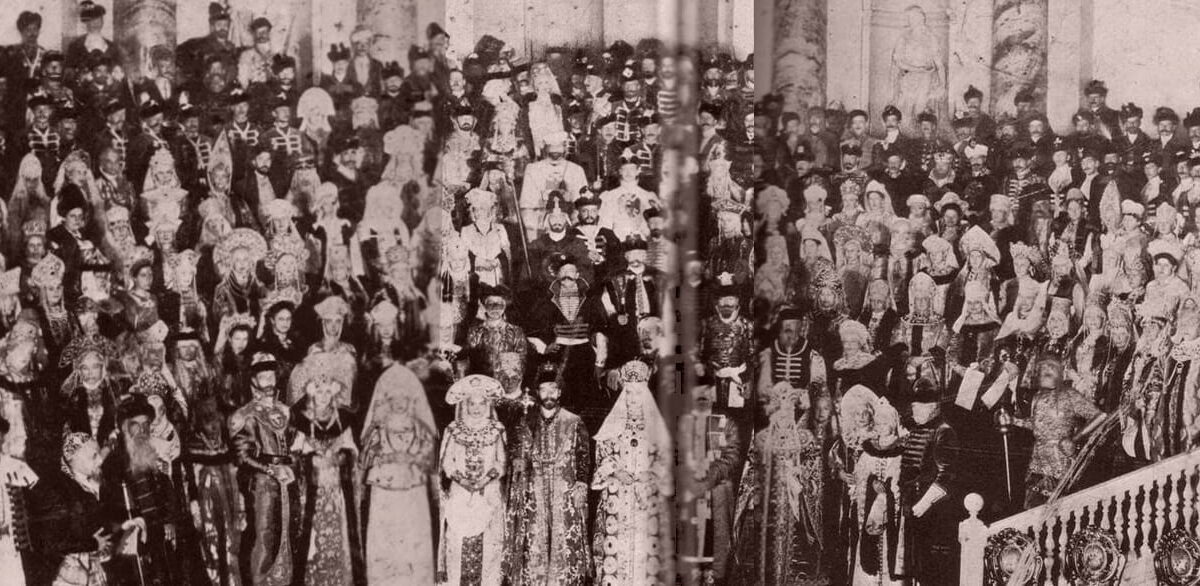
<point x="1019" y="31"/>
<point x="396" y="20"/>
<point x="800" y="44"/>
<point x="143" y="24"/>
<point x="764" y="43"/>
<point x="970" y="58"/>
<point x="1068" y="61"/>
<point x="848" y="51"/>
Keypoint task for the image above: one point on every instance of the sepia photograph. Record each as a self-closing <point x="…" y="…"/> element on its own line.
<point x="383" y="292"/>
<point x="978" y="294"/>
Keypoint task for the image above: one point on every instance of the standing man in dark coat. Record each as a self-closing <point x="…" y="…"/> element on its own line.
<point x="137" y="495"/>
<point x="929" y="500"/>
<point x="351" y="183"/>
<point x="194" y="55"/>
<point x="78" y="58"/>
<point x="365" y="71"/>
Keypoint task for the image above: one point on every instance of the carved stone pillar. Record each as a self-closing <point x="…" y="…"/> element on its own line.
<point x="397" y="21"/>
<point x="1069" y="60"/>
<point x="143" y="24"/>
<point x="1019" y="31"/>
<point x="800" y="52"/>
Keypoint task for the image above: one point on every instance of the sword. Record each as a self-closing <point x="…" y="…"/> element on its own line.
<point x="521" y="230"/>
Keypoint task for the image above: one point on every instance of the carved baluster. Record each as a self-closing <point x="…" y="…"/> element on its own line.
<point x="1189" y="498"/>
<point x="1147" y="517"/>
<point x="972" y="538"/>
<point x="1160" y="509"/>
<point x="1048" y="549"/>
<point x="1128" y="520"/>
<point x="1172" y="500"/>
<point x="1103" y="520"/>
<point x="1068" y="522"/>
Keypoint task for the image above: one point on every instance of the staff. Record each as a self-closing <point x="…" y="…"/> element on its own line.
<point x="141" y="574"/>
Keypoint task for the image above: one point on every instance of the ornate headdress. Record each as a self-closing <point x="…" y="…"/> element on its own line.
<point x="187" y="257"/>
<point x="324" y="367"/>
<point x="279" y="208"/>
<point x="635" y="371"/>
<point x="474" y="385"/>
<point x="332" y="307"/>
<point x="286" y="245"/>
<point x="239" y="238"/>
<point x="48" y="272"/>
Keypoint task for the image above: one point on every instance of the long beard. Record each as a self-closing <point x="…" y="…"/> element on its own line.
<point x="143" y="459"/>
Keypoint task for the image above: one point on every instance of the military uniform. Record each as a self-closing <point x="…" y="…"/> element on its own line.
<point x="262" y="437"/>
<point x="726" y="351"/>
<point x="929" y="551"/>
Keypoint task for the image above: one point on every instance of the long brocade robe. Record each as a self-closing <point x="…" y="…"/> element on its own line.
<point x="547" y="543"/>
<point x="778" y="535"/>
<point x="332" y="553"/>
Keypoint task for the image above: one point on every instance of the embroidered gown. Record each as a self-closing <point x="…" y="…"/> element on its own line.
<point x="472" y="536"/>
<point x="330" y="517"/>
<point x="778" y="530"/>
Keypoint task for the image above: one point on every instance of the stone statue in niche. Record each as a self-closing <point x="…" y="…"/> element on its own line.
<point x="917" y="72"/>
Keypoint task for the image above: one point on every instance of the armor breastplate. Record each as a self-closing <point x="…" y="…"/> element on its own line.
<point x="727" y="344"/>
<point x="272" y="430"/>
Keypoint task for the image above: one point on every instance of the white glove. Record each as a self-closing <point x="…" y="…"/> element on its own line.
<point x="932" y="496"/>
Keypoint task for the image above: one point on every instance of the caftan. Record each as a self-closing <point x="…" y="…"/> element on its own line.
<point x="472" y="537"/>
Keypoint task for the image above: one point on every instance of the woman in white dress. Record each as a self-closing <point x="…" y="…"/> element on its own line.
<point x="473" y="461"/>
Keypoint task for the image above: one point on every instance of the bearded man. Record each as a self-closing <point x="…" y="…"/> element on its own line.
<point x="544" y="177"/>
<point x="548" y="494"/>
<point x="137" y="500"/>
<point x="555" y="242"/>
<point x="262" y="438"/>
<point x="628" y="297"/>
<point x="725" y="350"/>
<point x="603" y="247"/>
